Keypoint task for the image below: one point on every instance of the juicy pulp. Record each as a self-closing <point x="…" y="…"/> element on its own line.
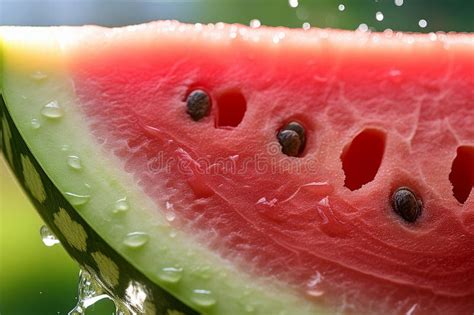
<point x="291" y="221"/>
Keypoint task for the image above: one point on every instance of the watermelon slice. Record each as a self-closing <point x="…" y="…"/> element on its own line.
<point x="221" y="169"/>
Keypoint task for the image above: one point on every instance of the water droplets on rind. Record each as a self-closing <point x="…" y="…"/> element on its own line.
<point x="52" y="110"/>
<point x="48" y="237"/>
<point x="121" y="205"/>
<point x="35" y="123"/>
<point x="203" y="298"/>
<point x="170" y="274"/>
<point x="422" y="23"/>
<point x="136" y="239"/>
<point x="77" y="199"/>
<point x="74" y="162"/>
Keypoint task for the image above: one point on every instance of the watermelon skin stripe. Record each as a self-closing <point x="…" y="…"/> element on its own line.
<point x="90" y="250"/>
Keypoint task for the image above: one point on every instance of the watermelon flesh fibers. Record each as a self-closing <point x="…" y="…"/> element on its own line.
<point x="380" y="111"/>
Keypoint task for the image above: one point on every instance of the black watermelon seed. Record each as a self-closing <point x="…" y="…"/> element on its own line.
<point x="299" y="130"/>
<point x="292" y="138"/>
<point x="406" y="204"/>
<point x="290" y="142"/>
<point x="198" y="104"/>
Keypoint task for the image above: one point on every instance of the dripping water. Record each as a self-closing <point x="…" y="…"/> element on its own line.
<point x="48" y="238"/>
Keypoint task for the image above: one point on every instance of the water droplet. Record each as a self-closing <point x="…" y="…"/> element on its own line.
<point x="38" y="76"/>
<point x="77" y="199"/>
<point x="173" y="233"/>
<point x="255" y="23"/>
<point x="388" y="32"/>
<point x="135" y="296"/>
<point x="52" y="110"/>
<point x="306" y="26"/>
<point x="422" y="23"/>
<point x="379" y="16"/>
<point x="65" y="147"/>
<point x="136" y="239"/>
<point x="315" y="293"/>
<point x="278" y="37"/>
<point x="398" y="3"/>
<point x="198" y="27"/>
<point x="203" y="298"/>
<point x="48" y="238"/>
<point x="313" y="287"/>
<point x="74" y="162"/>
<point x="170" y="274"/>
<point x="121" y="205"/>
<point x="293" y="3"/>
<point x="170" y="216"/>
<point x="363" y="27"/>
<point x="433" y="36"/>
<point x="35" y="123"/>
<point x="341" y="7"/>
<point x="90" y="291"/>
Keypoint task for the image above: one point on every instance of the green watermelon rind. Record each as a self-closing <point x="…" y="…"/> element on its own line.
<point x="60" y="217"/>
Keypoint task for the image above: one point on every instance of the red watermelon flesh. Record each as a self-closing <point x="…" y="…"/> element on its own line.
<point x="381" y="111"/>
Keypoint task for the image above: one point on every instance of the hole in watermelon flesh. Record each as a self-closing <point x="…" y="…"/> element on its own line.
<point x="462" y="173"/>
<point x="231" y="107"/>
<point x="361" y="159"/>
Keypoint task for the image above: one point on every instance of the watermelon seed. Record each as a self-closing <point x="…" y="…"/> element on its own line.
<point x="198" y="104"/>
<point x="292" y="139"/>
<point x="406" y="204"/>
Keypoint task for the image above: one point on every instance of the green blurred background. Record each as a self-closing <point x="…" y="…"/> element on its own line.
<point x="37" y="280"/>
